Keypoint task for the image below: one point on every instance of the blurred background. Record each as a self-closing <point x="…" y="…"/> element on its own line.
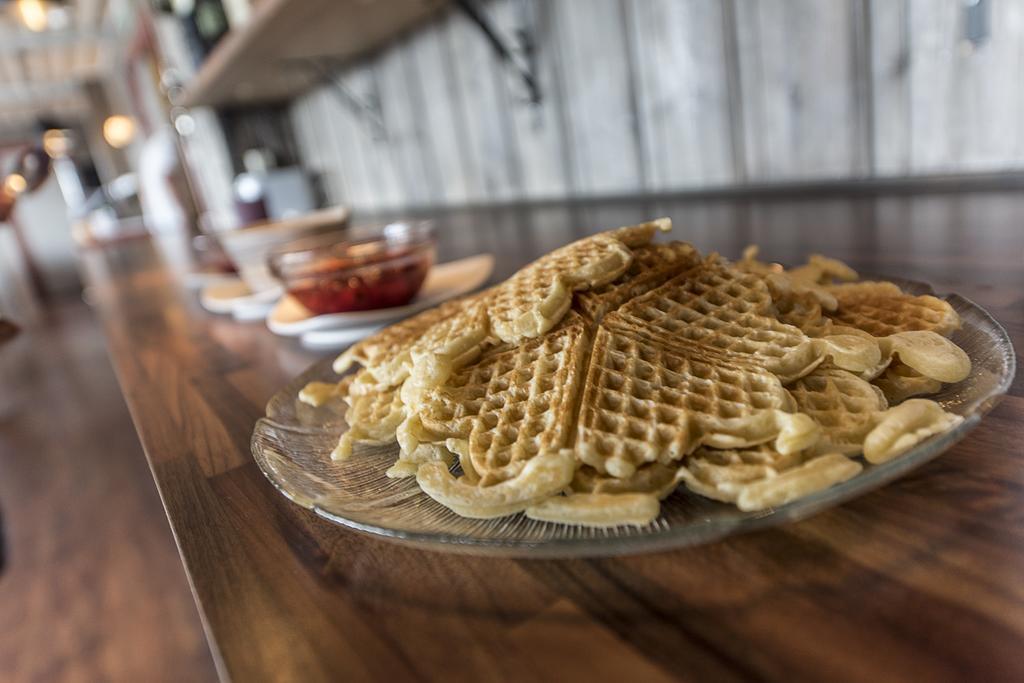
<point x="205" y="115"/>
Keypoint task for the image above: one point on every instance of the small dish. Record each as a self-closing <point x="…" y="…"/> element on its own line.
<point x="290" y="319"/>
<point x="365" y="269"/>
<point x="220" y="296"/>
<point x="336" y="340"/>
<point x="234" y="296"/>
<point x="247" y="247"/>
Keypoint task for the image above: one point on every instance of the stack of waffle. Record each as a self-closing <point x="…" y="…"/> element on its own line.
<point x="601" y="377"/>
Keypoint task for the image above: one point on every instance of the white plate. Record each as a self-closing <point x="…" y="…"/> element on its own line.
<point x="234" y="296"/>
<point x="200" y="280"/>
<point x="257" y="307"/>
<point x="336" y="340"/>
<point x="219" y="297"/>
<point x="444" y="282"/>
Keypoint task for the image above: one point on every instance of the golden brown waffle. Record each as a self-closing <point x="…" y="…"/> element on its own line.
<point x="924" y="350"/>
<point x="445" y="347"/>
<point x="801" y="299"/>
<point x="597" y="509"/>
<point x="725" y="471"/>
<point x="821" y="270"/>
<point x="803" y="311"/>
<point x="652" y="399"/>
<point x="899" y="382"/>
<point x="385" y="353"/>
<point x="638" y="235"/>
<point x="882" y="308"/>
<point x="806" y="282"/>
<point x="731" y="310"/>
<point x="533" y="300"/>
<point x="655" y="478"/>
<point x="929" y="354"/>
<point x="591" y="383"/>
<point x="728" y="310"/>
<point x="901" y="428"/>
<point x="845" y="406"/>
<point x="595" y="499"/>
<point x="749" y="263"/>
<point x="318" y="394"/>
<point x="515" y="404"/>
<point x="756" y="479"/>
<point x="652" y="265"/>
<point x="372" y="418"/>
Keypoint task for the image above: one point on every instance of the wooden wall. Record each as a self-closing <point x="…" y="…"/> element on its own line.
<point x="656" y="95"/>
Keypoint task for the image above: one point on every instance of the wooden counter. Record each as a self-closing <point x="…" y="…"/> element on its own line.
<point x="917" y="581"/>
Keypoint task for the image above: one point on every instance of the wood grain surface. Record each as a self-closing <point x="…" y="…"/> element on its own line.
<point x="91" y="587"/>
<point x="917" y="581"/>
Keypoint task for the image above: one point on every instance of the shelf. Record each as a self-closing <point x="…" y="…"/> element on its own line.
<point x="261" y="62"/>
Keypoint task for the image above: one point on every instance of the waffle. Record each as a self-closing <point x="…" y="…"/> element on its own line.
<point x="823" y="270"/>
<point x="588" y="386"/>
<point x="445" y="347"/>
<point x="652" y="265"/>
<point x="882" y="309"/>
<point x="756" y="479"/>
<point x="854" y="416"/>
<point x="719" y="306"/>
<point x="901" y="428"/>
<point x="749" y="262"/>
<point x="638" y="235"/>
<point x="899" y="382"/>
<point x="533" y="300"/>
<point x="728" y="468"/>
<point x="597" y="509"/>
<point x="905" y="326"/>
<point x="372" y="418"/>
<point x="803" y="311"/>
<point x="318" y="394"/>
<point x="596" y="499"/>
<point x="650" y="398"/>
<point x="915" y="360"/>
<point x="515" y="405"/>
<point x="928" y="354"/>
<point x="385" y="353"/>
<point x="844" y="405"/>
<point x="545" y="473"/>
<point x="808" y="280"/>
<point x="655" y="478"/>
<point x="810" y="477"/>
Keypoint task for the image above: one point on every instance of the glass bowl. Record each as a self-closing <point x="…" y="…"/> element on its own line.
<point x="365" y="269"/>
<point x="292" y="447"/>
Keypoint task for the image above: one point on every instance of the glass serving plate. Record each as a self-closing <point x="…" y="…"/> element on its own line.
<point x="292" y="446"/>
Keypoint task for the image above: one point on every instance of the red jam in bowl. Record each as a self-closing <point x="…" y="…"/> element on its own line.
<point x="394" y="283"/>
<point x="343" y="273"/>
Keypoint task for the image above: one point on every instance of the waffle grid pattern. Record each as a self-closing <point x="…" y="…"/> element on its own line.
<point x="719" y="307"/>
<point x="647" y="401"/>
<point x="652" y="265"/>
<point x="881" y="314"/>
<point x="543" y="290"/>
<point x="742" y="466"/>
<point x="394" y="339"/>
<point x="843" y="404"/>
<point x="670" y="368"/>
<point x="511" y="404"/>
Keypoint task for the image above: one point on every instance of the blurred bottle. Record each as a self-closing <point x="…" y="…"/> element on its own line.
<point x="205" y="22"/>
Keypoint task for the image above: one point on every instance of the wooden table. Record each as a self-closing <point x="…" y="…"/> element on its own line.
<point x="91" y="586"/>
<point x="918" y="581"/>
